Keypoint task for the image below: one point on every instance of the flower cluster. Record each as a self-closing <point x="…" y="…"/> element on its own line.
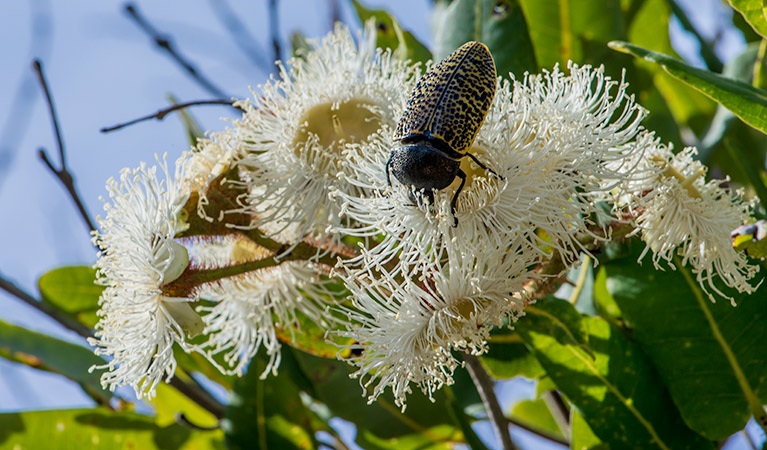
<point x="253" y="235"/>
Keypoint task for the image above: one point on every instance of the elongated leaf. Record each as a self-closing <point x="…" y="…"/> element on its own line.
<point x="390" y="35"/>
<point x="73" y="291"/>
<point x="53" y="355"/>
<point x="268" y="413"/>
<point x="169" y="403"/>
<point x="535" y="413"/>
<point x="501" y="25"/>
<point x="611" y="382"/>
<point x="745" y="101"/>
<point x="753" y="12"/>
<point x="424" y="424"/>
<point x="710" y="355"/>
<point x="581" y="436"/>
<point x="98" y="429"/>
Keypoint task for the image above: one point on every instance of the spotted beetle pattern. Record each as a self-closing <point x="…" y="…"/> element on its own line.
<point x="451" y="100"/>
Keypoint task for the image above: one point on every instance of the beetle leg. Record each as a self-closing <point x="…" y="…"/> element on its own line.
<point x="460" y="174"/>
<point x="474" y="158"/>
<point x="388" y="165"/>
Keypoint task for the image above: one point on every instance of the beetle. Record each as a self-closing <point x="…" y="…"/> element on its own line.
<point x="441" y="119"/>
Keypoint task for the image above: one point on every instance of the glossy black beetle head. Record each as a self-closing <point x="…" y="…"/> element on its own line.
<point x="422" y="166"/>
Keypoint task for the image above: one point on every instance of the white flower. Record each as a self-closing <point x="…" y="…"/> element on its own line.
<point x="210" y="159"/>
<point x="250" y="307"/>
<point x="678" y="213"/>
<point x="292" y="137"/>
<point x="550" y="137"/>
<point x="406" y="330"/>
<point x="138" y="324"/>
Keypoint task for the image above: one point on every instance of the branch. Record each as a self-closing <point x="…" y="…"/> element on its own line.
<point x="63" y="174"/>
<point x="160" y="115"/>
<point x="712" y="61"/>
<point x="485" y="388"/>
<point x="274" y="30"/>
<point x="242" y="38"/>
<point x="164" y="42"/>
<point x="559" y="410"/>
<point x="65" y="321"/>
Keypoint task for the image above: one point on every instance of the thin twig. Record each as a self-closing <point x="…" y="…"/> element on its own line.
<point x="274" y="30"/>
<point x="63" y="174"/>
<point x="160" y="115"/>
<point x="709" y="56"/>
<point x="485" y="388"/>
<point x="65" y="321"/>
<point x="335" y="13"/>
<point x="242" y="38"/>
<point x="165" y="43"/>
<point x="750" y="441"/>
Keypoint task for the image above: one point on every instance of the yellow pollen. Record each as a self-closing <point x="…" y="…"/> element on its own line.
<point x="350" y="122"/>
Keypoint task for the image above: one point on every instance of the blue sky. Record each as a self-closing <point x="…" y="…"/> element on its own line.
<point x="103" y="70"/>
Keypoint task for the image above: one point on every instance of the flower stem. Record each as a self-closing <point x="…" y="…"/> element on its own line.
<point x="485" y="388"/>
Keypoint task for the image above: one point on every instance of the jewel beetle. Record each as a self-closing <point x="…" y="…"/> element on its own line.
<point x="441" y="119"/>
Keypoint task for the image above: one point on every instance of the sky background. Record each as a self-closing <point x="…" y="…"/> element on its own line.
<point x="102" y="70"/>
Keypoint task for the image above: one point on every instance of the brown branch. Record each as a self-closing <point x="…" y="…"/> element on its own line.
<point x="239" y="33"/>
<point x="64" y="175"/>
<point x="485" y="388"/>
<point x="164" y="42"/>
<point x="65" y="321"/>
<point x="274" y="31"/>
<point x="160" y="115"/>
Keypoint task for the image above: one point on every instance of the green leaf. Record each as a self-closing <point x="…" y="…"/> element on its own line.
<point x="268" y="413"/>
<point x="53" y="355"/>
<point x="507" y="357"/>
<point x="611" y="382"/>
<point x="424" y="424"/>
<point x="191" y="126"/>
<point x="745" y="101"/>
<point x="389" y="34"/>
<point x="750" y="238"/>
<point x="168" y="403"/>
<point x="98" y="429"/>
<point x="581" y="436"/>
<point x="499" y="24"/>
<point x="306" y="335"/>
<point x="710" y="355"/>
<point x="753" y="12"/>
<point x="536" y="414"/>
<point x="72" y="290"/>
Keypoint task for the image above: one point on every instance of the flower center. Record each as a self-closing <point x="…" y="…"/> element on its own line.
<point x="335" y="125"/>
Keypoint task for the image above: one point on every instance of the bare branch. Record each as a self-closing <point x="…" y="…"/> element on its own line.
<point x="160" y="115"/>
<point x="274" y="30"/>
<point x="485" y="388"/>
<point x="68" y="323"/>
<point x="244" y="40"/>
<point x="63" y="174"/>
<point x="164" y="42"/>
